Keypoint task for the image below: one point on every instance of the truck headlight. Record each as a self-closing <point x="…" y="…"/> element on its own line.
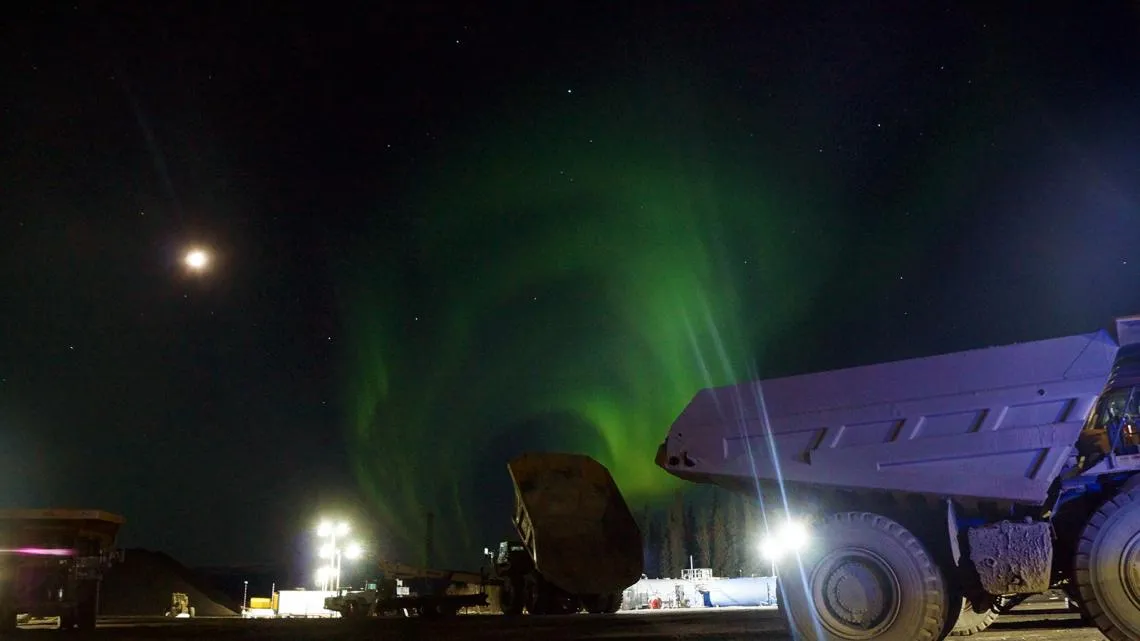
<point x="791" y="537"/>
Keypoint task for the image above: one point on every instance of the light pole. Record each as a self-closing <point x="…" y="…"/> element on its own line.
<point x="244" y="594"/>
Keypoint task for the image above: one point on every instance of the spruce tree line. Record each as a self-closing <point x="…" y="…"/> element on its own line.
<point x="719" y="529"/>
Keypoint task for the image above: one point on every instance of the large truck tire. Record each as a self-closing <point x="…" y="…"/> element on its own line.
<point x="1104" y="567"/>
<point x="354" y="611"/>
<point x="8" y="611"/>
<point x="543" y="597"/>
<point x="602" y="603"/>
<point x="863" y="577"/>
<point x="84" y="613"/>
<point x="1074" y="604"/>
<point x="87" y="608"/>
<point x="974" y="617"/>
<point x="536" y="595"/>
<point x="511" y="596"/>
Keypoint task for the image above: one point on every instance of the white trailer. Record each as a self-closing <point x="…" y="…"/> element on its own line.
<point x="303" y="603"/>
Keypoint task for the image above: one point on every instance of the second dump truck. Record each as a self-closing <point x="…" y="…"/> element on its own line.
<point x="426" y="592"/>
<point x="52" y="562"/>
<point x="914" y="497"/>
<point x="579" y="546"/>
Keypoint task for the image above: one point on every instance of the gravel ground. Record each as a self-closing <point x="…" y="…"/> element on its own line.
<point x="1039" y="627"/>
<point x="723" y="625"/>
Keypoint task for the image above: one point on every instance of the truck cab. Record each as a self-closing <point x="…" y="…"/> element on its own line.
<point x="1113" y="427"/>
<point x="510" y="555"/>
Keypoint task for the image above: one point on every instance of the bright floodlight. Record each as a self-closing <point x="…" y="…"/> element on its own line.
<point x="326" y="551"/>
<point x="792" y="537"/>
<point x="796" y="534"/>
<point x="197" y="259"/>
<point x="354" y="551"/>
<point x="324" y="529"/>
<point x="770" y="549"/>
<point x="342" y="529"/>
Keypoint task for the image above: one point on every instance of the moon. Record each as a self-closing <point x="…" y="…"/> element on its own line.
<point x="197" y="260"/>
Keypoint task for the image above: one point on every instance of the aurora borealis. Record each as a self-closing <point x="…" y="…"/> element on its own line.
<point x="569" y="294"/>
<point x="581" y="258"/>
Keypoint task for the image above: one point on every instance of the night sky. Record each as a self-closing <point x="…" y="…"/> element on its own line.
<point x="447" y="234"/>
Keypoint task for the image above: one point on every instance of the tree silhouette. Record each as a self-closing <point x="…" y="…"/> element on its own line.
<point x="702" y="534"/>
<point x="722" y="543"/>
<point x="649" y="545"/>
<point x="674" y="547"/>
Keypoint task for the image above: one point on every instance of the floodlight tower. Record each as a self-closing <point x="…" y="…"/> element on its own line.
<point x="329" y="576"/>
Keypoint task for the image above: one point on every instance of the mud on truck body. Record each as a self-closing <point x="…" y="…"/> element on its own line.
<point x="52" y="563"/>
<point x="907" y="501"/>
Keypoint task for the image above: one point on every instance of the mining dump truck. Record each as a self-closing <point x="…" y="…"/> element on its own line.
<point x="579" y="546"/>
<point x="906" y="501"/>
<point x="52" y="562"/>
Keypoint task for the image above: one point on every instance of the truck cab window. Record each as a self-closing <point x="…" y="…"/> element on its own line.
<point x="1117" y="415"/>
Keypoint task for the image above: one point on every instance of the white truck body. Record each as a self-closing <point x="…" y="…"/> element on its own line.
<point x="988" y="424"/>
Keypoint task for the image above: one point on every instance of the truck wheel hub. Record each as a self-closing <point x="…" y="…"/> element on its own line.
<point x="1130" y="569"/>
<point x="857" y="594"/>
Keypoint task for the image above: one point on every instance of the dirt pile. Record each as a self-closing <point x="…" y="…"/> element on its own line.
<point x="142" y="583"/>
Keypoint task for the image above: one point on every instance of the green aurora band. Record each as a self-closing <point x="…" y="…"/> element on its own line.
<point x="569" y="285"/>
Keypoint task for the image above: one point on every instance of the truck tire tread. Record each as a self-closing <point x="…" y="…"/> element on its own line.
<point x="971" y="622"/>
<point x="932" y="583"/>
<point x="1083" y="563"/>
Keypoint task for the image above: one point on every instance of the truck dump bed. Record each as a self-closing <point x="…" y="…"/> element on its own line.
<point x="52" y="532"/>
<point x="575" y="524"/>
<point x="990" y="424"/>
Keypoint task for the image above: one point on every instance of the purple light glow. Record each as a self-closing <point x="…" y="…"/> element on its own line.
<point x="39" y="551"/>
